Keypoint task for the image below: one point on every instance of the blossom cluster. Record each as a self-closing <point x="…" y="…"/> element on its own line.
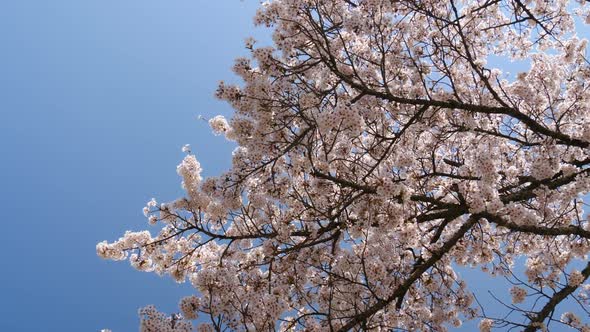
<point x="518" y="294"/>
<point x="154" y="321"/>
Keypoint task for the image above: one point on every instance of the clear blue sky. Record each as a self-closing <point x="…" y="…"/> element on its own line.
<point x="96" y="100"/>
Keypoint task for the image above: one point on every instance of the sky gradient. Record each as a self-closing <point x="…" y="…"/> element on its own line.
<point x="97" y="99"/>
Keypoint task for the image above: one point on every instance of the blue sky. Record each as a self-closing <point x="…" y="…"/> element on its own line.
<point x="96" y="100"/>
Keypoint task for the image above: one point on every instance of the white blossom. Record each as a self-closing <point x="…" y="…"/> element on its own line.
<point x="380" y="146"/>
<point x="219" y="125"/>
<point x="518" y="294"/>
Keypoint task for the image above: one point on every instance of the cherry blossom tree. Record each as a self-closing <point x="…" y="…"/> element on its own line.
<point x="381" y="149"/>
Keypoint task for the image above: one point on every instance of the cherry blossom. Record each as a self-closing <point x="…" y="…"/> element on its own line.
<point x="380" y="146"/>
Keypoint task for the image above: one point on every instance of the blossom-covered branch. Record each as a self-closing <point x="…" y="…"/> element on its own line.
<point x="380" y="146"/>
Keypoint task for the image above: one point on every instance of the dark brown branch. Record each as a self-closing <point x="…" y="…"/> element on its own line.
<point x="535" y="229"/>
<point x="401" y="290"/>
<point x="553" y="302"/>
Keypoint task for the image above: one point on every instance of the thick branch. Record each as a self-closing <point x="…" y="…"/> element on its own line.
<point x="535" y="229"/>
<point x="401" y="290"/>
<point x="553" y="302"/>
